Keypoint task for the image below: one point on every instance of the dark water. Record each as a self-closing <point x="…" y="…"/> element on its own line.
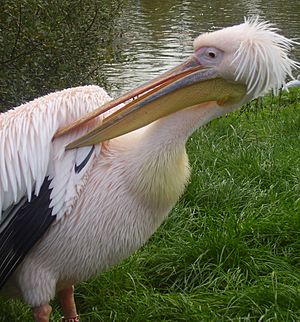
<point x="158" y="34"/>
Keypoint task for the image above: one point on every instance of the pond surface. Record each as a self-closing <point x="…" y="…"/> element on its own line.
<point x="158" y="34"/>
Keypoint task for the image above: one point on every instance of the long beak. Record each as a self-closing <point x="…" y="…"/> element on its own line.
<point x="186" y="85"/>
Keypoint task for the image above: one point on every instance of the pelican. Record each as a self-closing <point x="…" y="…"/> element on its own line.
<point x="86" y="180"/>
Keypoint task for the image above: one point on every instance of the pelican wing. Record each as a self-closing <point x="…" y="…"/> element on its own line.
<point x="39" y="180"/>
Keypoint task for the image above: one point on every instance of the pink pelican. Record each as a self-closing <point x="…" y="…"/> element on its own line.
<point x="82" y="187"/>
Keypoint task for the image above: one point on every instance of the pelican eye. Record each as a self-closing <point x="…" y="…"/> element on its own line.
<point x="209" y="56"/>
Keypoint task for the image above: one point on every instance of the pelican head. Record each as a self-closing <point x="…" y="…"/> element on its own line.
<point x="230" y="67"/>
<point x="252" y="53"/>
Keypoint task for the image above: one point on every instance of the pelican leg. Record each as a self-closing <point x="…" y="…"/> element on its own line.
<point x="67" y="302"/>
<point x="42" y="313"/>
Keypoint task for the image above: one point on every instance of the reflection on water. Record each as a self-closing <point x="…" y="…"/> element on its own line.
<point x="158" y="34"/>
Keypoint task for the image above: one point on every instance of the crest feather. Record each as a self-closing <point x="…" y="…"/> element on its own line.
<point x="262" y="57"/>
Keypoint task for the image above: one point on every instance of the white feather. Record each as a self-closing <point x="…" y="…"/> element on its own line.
<point x="28" y="154"/>
<point x="262" y="57"/>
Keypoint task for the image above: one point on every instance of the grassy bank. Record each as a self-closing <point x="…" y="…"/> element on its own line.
<point x="230" y="250"/>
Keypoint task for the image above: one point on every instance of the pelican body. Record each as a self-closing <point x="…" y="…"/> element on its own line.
<point x="83" y="187"/>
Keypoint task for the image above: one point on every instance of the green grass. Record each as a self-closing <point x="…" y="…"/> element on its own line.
<point x="230" y="250"/>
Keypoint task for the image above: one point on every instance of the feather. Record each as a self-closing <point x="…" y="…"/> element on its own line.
<point x="38" y="179"/>
<point x="31" y="127"/>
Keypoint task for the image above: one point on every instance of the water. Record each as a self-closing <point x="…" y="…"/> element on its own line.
<point x="158" y="34"/>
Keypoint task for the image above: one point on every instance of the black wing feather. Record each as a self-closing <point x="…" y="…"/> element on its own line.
<point x="25" y="223"/>
<point x="23" y="226"/>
